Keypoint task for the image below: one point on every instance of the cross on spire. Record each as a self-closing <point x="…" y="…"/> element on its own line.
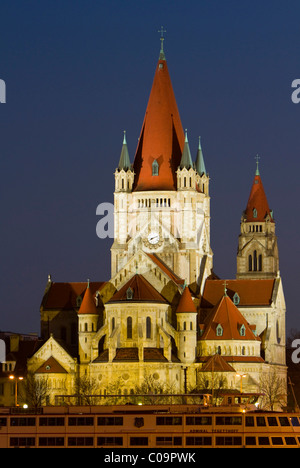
<point x="257" y="164"/>
<point x="162" y="31"/>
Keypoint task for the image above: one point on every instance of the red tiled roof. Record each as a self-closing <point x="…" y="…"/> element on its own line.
<point x="216" y="363"/>
<point x="165" y="269"/>
<point x="186" y="303"/>
<point x="162" y="136"/>
<point x="257" y="203"/>
<point x="233" y="359"/>
<point x="251" y="292"/>
<point x="88" y="305"/>
<point x="51" y="366"/>
<point x="127" y="354"/>
<point x="64" y="295"/>
<point x="142" y="290"/>
<point x="226" y="314"/>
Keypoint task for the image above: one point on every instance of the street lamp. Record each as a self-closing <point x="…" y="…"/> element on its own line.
<point x="15" y="378"/>
<point x="241" y="376"/>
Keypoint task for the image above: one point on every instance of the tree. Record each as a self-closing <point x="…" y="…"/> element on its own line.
<point x="154" y="391"/>
<point x="36" y="390"/>
<point x="273" y="388"/>
<point x="86" y="390"/>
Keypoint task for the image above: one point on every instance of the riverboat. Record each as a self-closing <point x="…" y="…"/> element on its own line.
<point x="237" y="422"/>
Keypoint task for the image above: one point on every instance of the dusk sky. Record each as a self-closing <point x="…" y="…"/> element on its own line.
<point x="78" y="73"/>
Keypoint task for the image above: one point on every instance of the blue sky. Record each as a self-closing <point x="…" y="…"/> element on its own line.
<point x="78" y="73"/>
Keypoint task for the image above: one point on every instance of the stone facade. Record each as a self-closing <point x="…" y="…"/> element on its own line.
<point x="163" y="314"/>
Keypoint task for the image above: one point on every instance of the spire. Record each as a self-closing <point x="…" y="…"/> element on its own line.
<point x="186" y="159"/>
<point x="257" y="207"/>
<point x="124" y="162"/>
<point x="186" y="303"/>
<point x="257" y="164"/>
<point x="162" y="54"/>
<point x="162" y="136"/>
<point x="88" y="305"/>
<point x="200" y="166"/>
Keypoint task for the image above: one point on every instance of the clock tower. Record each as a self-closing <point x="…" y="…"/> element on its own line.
<point x="161" y="201"/>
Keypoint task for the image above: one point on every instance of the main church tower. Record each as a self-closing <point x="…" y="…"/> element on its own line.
<point x="161" y="201"/>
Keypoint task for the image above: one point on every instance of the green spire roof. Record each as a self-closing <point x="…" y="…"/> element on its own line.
<point x="124" y="162"/>
<point x="200" y="166"/>
<point x="186" y="159"/>
<point x="257" y="164"/>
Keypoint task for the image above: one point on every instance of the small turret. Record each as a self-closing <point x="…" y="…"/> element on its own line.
<point x="200" y="166"/>
<point x="186" y="314"/>
<point x="124" y="175"/>
<point x="186" y="158"/>
<point x="88" y="317"/>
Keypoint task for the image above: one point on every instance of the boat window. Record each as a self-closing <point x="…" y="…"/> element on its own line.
<point x="140" y="441"/>
<point x="227" y="440"/>
<point x="168" y="441"/>
<point x="198" y="441"/>
<point x="249" y="421"/>
<point x="277" y="441"/>
<point x="272" y="421"/>
<point x="199" y="420"/>
<point x="290" y="441"/>
<point x="168" y="421"/>
<point x="284" y="421"/>
<point x="263" y="441"/>
<point x="260" y="421"/>
<point x="295" y="421"/>
<point x="250" y="440"/>
<point x="229" y="420"/>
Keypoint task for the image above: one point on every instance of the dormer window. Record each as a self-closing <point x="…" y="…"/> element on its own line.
<point x="155" y="167"/>
<point x="129" y="294"/>
<point x="78" y="301"/>
<point x="254" y="213"/>
<point x="243" y="330"/>
<point x="236" y="299"/>
<point x="219" y="330"/>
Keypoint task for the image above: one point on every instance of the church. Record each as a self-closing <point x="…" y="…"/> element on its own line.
<point x="164" y="315"/>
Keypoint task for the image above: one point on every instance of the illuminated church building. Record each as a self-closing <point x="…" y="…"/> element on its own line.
<point x="164" y="313"/>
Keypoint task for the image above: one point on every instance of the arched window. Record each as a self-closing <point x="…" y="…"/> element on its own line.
<point x="255" y="260"/>
<point x="148" y="327"/>
<point x="155" y="168"/>
<point x="260" y="263"/>
<point x="219" y="330"/>
<point x="129" y="328"/>
<point x="113" y="324"/>
<point x="250" y="266"/>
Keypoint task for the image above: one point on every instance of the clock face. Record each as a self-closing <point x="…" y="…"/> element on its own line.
<point x="153" y="237"/>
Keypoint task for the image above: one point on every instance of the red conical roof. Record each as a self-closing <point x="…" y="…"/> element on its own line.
<point x="162" y="136"/>
<point x="257" y="207"/>
<point x="88" y="305"/>
<point x="186" y="303"/>
<point x="231" y="320"/>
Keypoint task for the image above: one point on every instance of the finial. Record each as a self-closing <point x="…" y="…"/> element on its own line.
<point x="257" y="164"/>
<point x="162" y="54"/>
<point x="199" y="145"/>
<point x="124" y="139"/>
<point x="88" y="281"/>
<point x="225" y="288"/>
<point x="186" y="136"/>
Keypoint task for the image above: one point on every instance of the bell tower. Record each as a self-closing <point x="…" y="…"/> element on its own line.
<point x="257" y="255"/>
<point x="162" y="203"/>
